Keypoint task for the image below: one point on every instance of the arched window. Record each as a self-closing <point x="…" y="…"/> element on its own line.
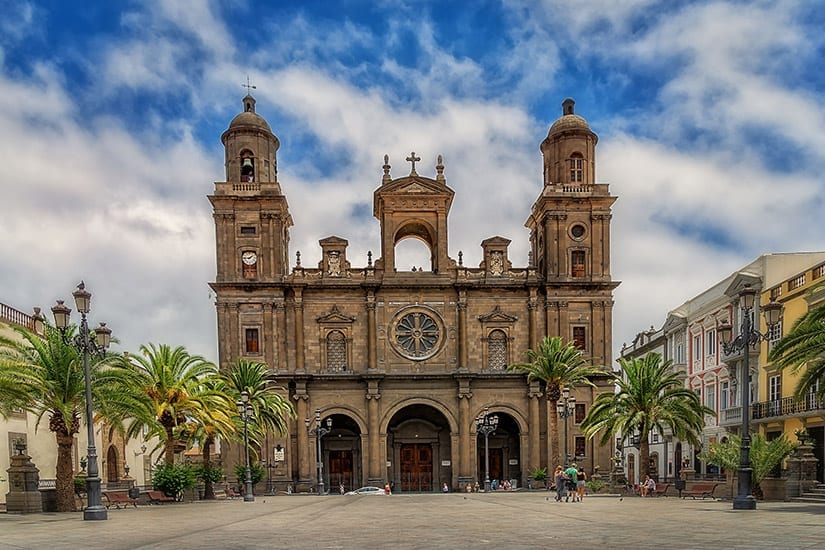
<point x="247" y="166"/>
<point x="336" y="351"/>
<point x="497" y="350"/>
<point x="576" y="163"/>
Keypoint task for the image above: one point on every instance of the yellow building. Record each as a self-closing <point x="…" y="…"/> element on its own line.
<point x="775" y="410"/>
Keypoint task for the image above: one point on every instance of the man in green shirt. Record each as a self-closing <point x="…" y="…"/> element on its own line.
<point x="572" y="473"/>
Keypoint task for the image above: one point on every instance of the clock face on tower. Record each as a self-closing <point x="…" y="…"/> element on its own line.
<point x="249" y="258"/>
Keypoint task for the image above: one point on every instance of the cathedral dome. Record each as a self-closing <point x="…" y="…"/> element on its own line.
<point x="569" y="121"/>
<point x="249" y="118"/>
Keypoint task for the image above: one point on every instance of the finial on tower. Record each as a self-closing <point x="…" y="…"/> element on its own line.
<point x="439" y="168"/>
<point x="387" y="177"/>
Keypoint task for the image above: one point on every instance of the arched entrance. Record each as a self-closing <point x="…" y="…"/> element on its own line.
<point x="112" y="474"/>
<point x="419" y="449"/>
<point x="342" y="451"/>
<point x="505" y="454"/>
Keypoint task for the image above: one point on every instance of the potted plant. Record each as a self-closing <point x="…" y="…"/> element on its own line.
<point x="539" y="475"/>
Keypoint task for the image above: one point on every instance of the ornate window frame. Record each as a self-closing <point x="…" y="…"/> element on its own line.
<point x="496" y="320"/>
<point x="335" y="321"/>
<point x="418" y="327"/>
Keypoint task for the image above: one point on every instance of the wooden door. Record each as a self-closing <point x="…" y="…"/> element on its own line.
<point x="416" y="467"/>
<point x="340" y="470"/>
<point x="496" y="464"/>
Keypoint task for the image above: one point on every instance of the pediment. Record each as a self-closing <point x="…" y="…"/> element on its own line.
<point x="415" y="185"/>
<point x="333" y="241"/>
<point x="497" y="316"/>
<point x="335" y="316"/>
<point x="740" y="280"/>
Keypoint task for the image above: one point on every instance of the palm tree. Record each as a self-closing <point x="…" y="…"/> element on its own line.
<point x="803" y="349"/>
<point x="764" y="455"/>
<point x="650" y="395"/>
<point x="214" y="420"/>
<point x="271" y="409"/>
<point x="167" y="385"/>
<point x="49" y="379"/>
<point x="557" y="364"/>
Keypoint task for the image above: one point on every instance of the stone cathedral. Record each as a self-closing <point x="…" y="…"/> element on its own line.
<point x="398" y="361"/>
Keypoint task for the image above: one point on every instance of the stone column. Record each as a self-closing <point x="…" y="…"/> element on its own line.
<point x="462" y="330"/>
<point x="372" y="360"/>
<point x="532" y="329"/>
<point x="281" y="358"/>
<point x="305" y="451"/>
<point x="465" y="422"/>
<point x="298" y="305"/>
<point x="534" y="394"/>
<point x="376" y="471"/>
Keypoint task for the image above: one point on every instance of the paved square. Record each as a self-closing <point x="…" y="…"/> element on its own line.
<point x="510" y="520"/>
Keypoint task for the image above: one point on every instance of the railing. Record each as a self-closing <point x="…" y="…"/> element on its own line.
<point x="787" y="406"/>
<point x="732" y="415"/>
<point x="12" y="315"/>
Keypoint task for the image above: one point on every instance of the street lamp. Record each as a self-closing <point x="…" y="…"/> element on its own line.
<point x="84" y="343"/>
<point x="246" y="411"/>
<point x="485" y="425"/>
<point x="748" y="337"/>
<point x="319" y="431"/>
<point x="566" y="406"/>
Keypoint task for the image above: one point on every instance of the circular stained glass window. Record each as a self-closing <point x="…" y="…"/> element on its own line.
<point x="416" y="335"/>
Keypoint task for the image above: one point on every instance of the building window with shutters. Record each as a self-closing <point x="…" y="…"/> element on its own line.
<point x="336" y="351"/>
<point x="577" y="268"/>
<point x="576" y="163"/>
<point x="497" y="350"/>
<point x="580" y="448"/>
<point x="252" y="341"/>
<point x="580" y="338"/>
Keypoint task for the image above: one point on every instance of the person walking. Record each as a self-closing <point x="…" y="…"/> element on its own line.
<point x="572" y="473"/>
<point x="561" y="482"/>
<point x="581" y="483"/>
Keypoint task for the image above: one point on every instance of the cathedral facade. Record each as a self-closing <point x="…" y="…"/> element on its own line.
<point x="395" y="366"/>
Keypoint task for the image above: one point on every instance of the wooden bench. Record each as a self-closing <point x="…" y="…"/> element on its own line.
<point x="158" y="497"/>
<point x="231" y="493"/>
<point x="661" y="490"/>
<point x="704" y="490"/>
<point x="119" y="498"/>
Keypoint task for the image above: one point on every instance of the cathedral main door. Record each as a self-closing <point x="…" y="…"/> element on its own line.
<point x="416" y="467"/>
<point x="340" y="470"/>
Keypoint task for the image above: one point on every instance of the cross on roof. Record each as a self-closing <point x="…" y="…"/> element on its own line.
<point x="413" y="159"/>
<point x="249" y="86"/>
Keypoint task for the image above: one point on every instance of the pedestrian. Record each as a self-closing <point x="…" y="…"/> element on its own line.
<point x="649" y="486"/>
<point x="581" y="483"/>
<point x="341" y="488"/>
<point x="387" y="490"/>
<point x="560" y="479"/>
<point x="572" y="474"/>
<point x="444" y="488"/>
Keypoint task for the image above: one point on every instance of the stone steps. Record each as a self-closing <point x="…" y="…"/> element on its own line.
<point x="815" y="494"/>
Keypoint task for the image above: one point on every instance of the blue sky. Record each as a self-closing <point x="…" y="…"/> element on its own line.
<point x="711" y="118"/>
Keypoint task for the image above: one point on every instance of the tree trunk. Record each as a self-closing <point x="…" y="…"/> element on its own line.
<point x="169" y="447"/>
<point x="208" y="488"/>
<point x="555" y="455"/>
<point x="64" y="483"/>
<point x="644" y="458"/>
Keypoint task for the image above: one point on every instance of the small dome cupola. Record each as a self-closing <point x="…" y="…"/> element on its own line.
<point x="251" y="147"/>
<point x="569" y="149"/>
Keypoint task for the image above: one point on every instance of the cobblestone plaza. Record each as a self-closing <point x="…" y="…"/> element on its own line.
<point x="509" y="520"/>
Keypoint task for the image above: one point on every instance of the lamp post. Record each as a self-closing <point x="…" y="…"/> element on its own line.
<point x="246" y="412"/>
<point x="747" y="338"/>
<point x="319" y="431"/>
<point x="485" y="425"/>
<point x="566" y="406"/>
<point x="86" y="345"/>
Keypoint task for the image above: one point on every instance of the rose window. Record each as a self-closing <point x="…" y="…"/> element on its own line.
<point x="416" y="335"/>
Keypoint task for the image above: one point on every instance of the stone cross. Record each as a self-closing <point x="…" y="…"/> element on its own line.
<point x="413" y="159"/>
<point x="249" y="86"/>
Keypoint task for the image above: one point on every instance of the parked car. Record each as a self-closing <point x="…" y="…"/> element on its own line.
<point x="366" y="491"/>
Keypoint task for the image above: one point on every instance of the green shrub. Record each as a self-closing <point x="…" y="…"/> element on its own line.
<point x="595" y="485"/>
<point x="205" y="473"/>
<point x="174" y="479"/>
<point x="256" y="472"/>
<point x="539" y="474"/>
<point x="79" y="485"/>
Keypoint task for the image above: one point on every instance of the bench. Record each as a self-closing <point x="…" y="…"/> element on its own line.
<point x="661" y="490"/>
<point x="704" y="490"/>
<point x="118" y="499"/>
<point x="158" y="497"/>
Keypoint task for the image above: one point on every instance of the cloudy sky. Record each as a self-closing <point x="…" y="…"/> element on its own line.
<point x="711" y="119"/>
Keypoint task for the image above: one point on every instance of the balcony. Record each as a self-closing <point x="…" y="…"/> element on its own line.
<point x="787" y="406"/>
<point x="731" y="416"/>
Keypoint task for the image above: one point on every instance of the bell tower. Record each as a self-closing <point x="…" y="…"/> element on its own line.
<point x="570" y="237"/>
<point x="251" y="213"/>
